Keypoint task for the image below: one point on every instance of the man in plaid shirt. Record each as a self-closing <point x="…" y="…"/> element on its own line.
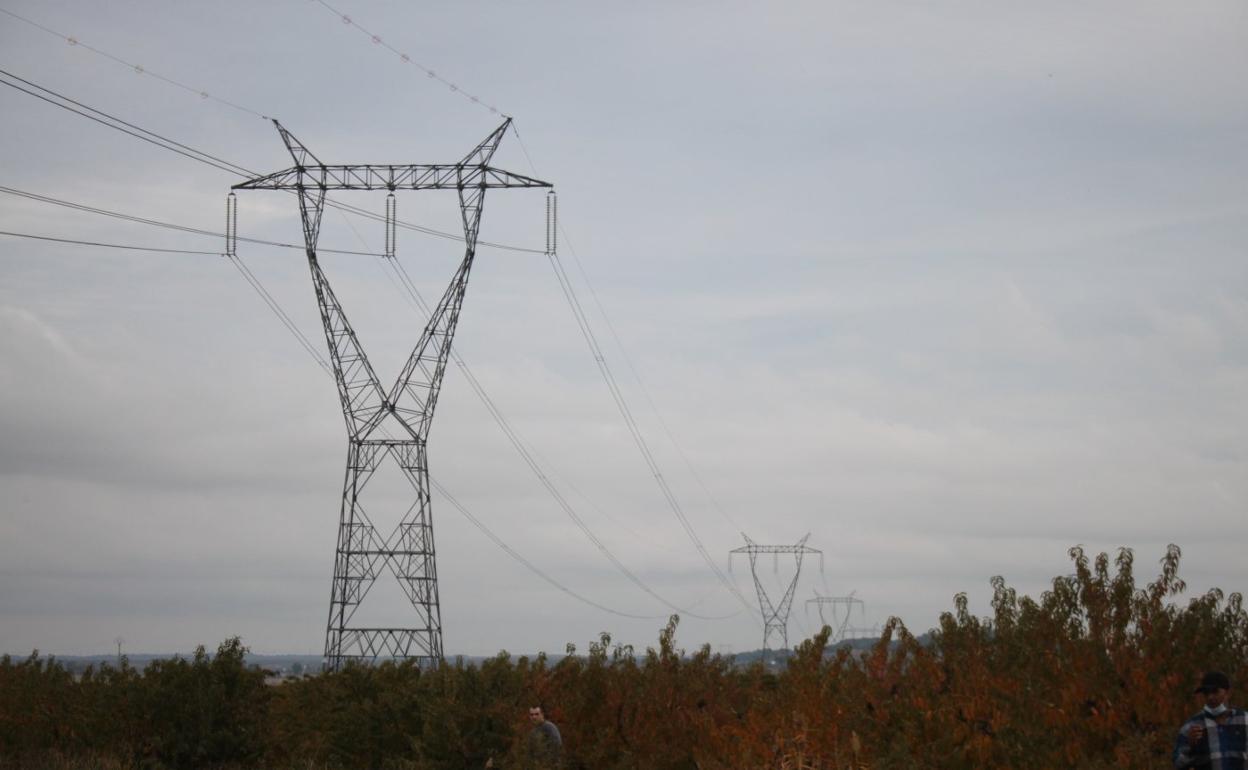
<point x="1217" y="737"/>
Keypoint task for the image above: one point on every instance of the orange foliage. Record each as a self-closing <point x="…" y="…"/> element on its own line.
<point x="1096" y="672"/>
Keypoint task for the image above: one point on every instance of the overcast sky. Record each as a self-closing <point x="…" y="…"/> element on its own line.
<point x="950" y="286"/>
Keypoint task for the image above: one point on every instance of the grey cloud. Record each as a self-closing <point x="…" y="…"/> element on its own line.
<point x="953" y="289"/>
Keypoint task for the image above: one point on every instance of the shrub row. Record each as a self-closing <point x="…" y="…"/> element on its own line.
<point x="1096" y="672"/>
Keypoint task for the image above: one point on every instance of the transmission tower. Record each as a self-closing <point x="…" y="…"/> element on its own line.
<point x="775" y="616"/>
<point x="374" y="415"/>
<point x="837" y="605"/>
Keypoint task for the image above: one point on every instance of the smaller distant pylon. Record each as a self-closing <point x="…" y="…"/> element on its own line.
<point x="775" y="614"/>
<point x="841" y="609"/>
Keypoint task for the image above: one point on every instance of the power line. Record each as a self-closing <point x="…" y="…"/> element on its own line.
<point x="582" y="321"/>
<point x="162" y="143"/>
<point x="407" y="290"/>
<point x="531" y="567"/>
<point x="531" y="461"/>
<point x="628" y="361"/>
<point x="158" y="223"/>
<point x="281" y="314"/>
<point x="151" y="137"/>
<point x="634" y="429"/>
<point x="290" y="325"/>
<point x="405" y="59"/>
<point x="307" y="345"/>
<point x="618" y="396"/>
<point x="463" y="510"/>
<point x="108" y="245"/>
<point x="285" y="319"/>
<point x="165" y="143"/>
<point x="302" y="339"/>
<point x="427" y="230"/>
<point x="137" y="68"/>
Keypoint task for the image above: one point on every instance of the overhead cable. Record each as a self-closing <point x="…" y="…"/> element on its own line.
<point x="405" y="59"/>
<point x="645" y="391"/>
<point x="535" y="467"/>
<point x="278" y="311"/>
<point x="220" y="164"/>
<point x="136" y="68"/>
<point x="307" y="345"/>
<point x="455" y="503"/>
<point x="119" y="125"/>
<point x="634" y="430"/>
<point x="617" y="395"/>
<point x="108" y="245"/>
<point x="397" y="275"/>
<point x="151" y="137"/>
<point x="166" y="225"/>
<point x="529" y="565"/>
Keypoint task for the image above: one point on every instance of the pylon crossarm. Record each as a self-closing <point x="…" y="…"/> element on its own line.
<point x="473" y="171"/>
<point x="759" y="549"/>
<point x="443" y="176"/>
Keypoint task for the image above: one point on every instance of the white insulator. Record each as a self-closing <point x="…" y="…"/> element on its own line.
<point x="231" y="225"/>
<point x="390" y="227"/>
<point x="552" y="222"/>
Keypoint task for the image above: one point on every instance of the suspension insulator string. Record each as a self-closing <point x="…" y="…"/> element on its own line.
<point x="390" y="230"/>
<point x="231" y="225"/>
<point x="552" y="223"/>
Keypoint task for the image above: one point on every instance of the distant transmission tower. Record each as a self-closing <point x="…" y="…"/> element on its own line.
<point x="373" y="413"/>
<point x="775" y="616"/>
<point x="841" y="608"/>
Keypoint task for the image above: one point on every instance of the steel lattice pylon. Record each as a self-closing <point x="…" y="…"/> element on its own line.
<point x="775" y="616"/>
<point x="839" y="626"/>
<point x="372" y="413"/>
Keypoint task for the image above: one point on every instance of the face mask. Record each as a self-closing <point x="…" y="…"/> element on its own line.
<point x="1218" y="711"/>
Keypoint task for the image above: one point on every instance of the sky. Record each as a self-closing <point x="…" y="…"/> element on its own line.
<point x="950" y="287"/>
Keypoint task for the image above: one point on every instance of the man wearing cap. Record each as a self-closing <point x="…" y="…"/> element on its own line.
<point x="1217" y="737"/>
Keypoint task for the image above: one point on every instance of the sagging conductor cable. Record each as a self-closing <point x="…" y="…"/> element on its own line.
<point x="617" y="395"/>
<point x="103" y="118"/>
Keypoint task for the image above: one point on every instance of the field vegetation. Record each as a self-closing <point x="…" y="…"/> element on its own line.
<point x="1097" y="672"/>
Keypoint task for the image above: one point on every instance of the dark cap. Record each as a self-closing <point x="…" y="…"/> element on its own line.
<point x="1214" y="680"/>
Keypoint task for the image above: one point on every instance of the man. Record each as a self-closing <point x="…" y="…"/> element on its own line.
<point x="545" y="743"/>
<point x="1217" y="737"/>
